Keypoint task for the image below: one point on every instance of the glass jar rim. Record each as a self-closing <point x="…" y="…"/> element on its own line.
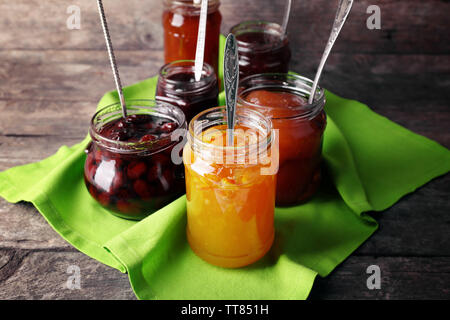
<point x="258" y="26"/>
<point x="208" y="76"/>
<point x="190" y="4"/>
<point x="287" y="82"/>
<point x="114" y="112"/>
<point x="241" y="113"/>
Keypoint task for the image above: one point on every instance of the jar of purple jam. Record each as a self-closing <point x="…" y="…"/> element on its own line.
<point x="132" y="166"/>
<point x="177" y="86"/>
<point x="262" y="47"/>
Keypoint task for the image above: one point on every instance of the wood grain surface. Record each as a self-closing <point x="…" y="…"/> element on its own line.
<point x="49" y="74"/>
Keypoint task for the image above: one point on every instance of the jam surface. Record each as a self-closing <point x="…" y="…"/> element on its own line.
<point x="300" y="143"/>
<point x="134" y="185"/>
<point x="138" y="128"/>
<point x="173" y="91"/>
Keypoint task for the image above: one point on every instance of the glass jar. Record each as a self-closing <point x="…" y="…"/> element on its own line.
<point x="180" y="21"/>
<point x="230" y="190"/>
<point x="133" y="178"/>
<point x="177" y="86"/>
<point x="284" y="98"/>
<point x="263" y="48"/>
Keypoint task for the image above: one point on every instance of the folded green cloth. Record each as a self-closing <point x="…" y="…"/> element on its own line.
<point x="370" y="162"/>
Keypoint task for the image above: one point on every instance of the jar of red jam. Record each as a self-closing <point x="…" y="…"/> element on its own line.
<point x="132" y="166"/>
<point x="180" y="21"/>
<point x="177" y="86"/>
<point x="284" y="98"/>
<point x="262" y="47"/>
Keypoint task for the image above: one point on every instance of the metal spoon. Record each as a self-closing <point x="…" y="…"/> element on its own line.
<point x="287" y="13"/>
<point x="112" y="58"/>
<point x="231" y="79"/>
<point x="200" y="51"/>
<point x="341" y="15"/>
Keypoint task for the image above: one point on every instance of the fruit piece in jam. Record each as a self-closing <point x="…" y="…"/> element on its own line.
<point x="134" y="184"/>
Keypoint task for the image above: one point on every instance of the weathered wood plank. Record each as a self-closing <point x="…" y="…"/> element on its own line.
<point x="69" y="75"/>
<point x="43" y="275"/>
<point x="407" y="26"/>
<point x="417" y="225"/>
<point x="401" y="278"/>
<point x="85" y="75"/>
<point x="23" y="227"/>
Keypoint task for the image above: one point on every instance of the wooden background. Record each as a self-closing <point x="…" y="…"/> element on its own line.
<point x="52" y="77"/>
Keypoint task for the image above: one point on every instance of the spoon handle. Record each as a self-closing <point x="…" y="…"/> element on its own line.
<point x="200" y="51"/>
<point x="341" y="15"/>
<point x="112" y="57"/>
<point x="231" y="79"/>
<point x="287" y="12"/>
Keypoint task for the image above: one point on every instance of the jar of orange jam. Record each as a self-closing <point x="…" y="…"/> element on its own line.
<point x="230" y="190"/>
<point x="284" y="98"/>
<point x="181" y="19"/>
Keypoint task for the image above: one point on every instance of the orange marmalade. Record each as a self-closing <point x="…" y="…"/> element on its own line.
<point x="230" y="197"/>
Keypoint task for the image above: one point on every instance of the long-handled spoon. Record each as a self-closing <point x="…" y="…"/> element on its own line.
<point x="200" y="51"/>
<point x="112" y="58"/>
<point x="231" y="79"/>
<point x="341" y="15"/>
<point x="287" y="13"/>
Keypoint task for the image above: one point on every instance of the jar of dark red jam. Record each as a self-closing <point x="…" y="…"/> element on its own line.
<point x="263" y="48"/>
<point x="132" y="166"/>
<point x="284" y="98"/>
<point x="177" y="86"/>
<point x="180" y="21"/>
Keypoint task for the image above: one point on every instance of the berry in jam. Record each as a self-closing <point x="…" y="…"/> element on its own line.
<point x="138" y="127"/>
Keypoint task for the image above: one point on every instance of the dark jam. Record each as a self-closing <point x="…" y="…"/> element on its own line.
<point x="177" y="86"/>
<point x="262" y="49"/>
<point x="134" y="184"/>
<point x="180" y="21"/>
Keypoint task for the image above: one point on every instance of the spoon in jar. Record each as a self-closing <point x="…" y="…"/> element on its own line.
<point x="287" y="13"/>
<point x="231" y="79"/>
<point x="112" y="57"/>
<point x="341" y="15"/>
<point x="200" y="51"/>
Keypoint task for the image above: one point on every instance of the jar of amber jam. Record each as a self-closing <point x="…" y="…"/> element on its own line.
<point x="177" y="86"/>
<point x="284" y="98"/>
<point x="262" y="47"/>
<point x="131" y="165"/>
<point x="181" y="19"/>
<point x="230" y="189"/>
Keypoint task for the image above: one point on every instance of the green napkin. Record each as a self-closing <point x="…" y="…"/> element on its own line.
<point x="370" y="163"/>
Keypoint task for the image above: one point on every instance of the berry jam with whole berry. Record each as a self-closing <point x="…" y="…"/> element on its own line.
<point x="129" y="168"/>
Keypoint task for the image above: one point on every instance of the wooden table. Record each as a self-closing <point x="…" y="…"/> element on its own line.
<point x="51" y="79"/>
